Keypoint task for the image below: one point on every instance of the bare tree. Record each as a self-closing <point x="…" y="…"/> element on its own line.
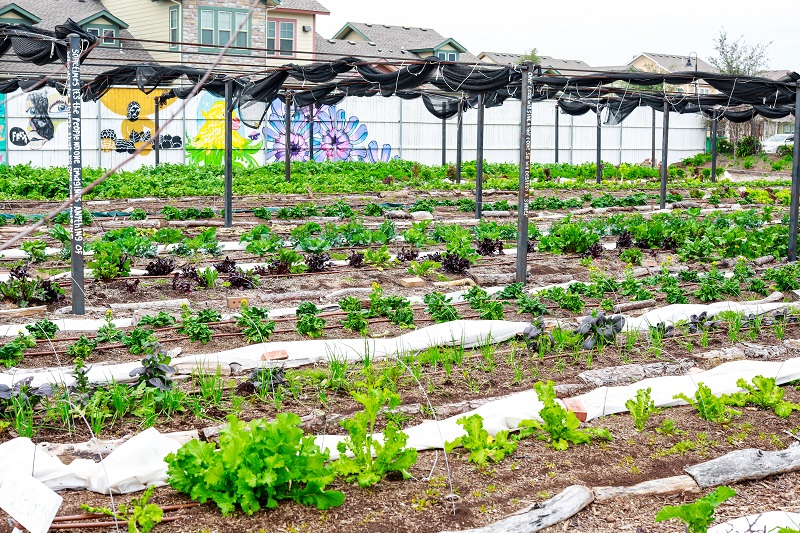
<point x="531" y="55"/>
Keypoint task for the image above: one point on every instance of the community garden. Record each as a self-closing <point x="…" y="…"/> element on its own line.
<point x="355" y="354"/>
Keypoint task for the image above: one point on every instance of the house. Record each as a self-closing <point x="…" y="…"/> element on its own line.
<point x="390" y="43"/>
<point x="779" y="125"/>
<point x="669" y="63"/>
<point x="92" y="16"/>
<point x="550" y="65"/>
<point x="197" y="29"/>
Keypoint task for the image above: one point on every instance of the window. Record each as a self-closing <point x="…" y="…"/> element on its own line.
<point x="447" y="56"/>
<point x="109" y="37"/>
<point x="106" y="36"/>
<point x="174" y="28"/>
<point x="218" y="25"/>
<point x="93" y="31"/>
<point x="280" y="37"/>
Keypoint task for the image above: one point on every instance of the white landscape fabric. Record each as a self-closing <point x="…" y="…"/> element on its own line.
<point x="768" y="522"/>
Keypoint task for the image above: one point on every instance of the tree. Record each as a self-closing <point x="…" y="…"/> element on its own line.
<point x="531" y="55"/>
<point x="738" y="56"/>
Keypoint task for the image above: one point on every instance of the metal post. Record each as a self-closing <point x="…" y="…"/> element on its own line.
<point x="795" y="179"/>
<point x="714" y="148"/>
<point x="156" y="143"/>
<point x="76" y="174"/>
<point x="664" y="154"/>
<point x="599" y="146"/>
<point x="653" y="148"/>
<point x="556" y="133"/>
<point x="311" y="132"/>
<point x="228" y="153"/>
<point x="288" y="138"/>
<point x="524" y="171"/>
<point x="459" y="140"/>
<point x="479" y="162"/>
<point x="444" y="141"/>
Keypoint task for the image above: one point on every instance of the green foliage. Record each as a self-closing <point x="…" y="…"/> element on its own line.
<point x="139" y="514"/>
<point x="34" y="250"/>
<point x="396" y="308"/>
<point x="440" y="308"/>
<point x="566" y="237"/>
<point x="109" y="261"/>
<point x="378" y="257"/>
<point x="310" y="325"/>
<point x="530" y="305"/>
<point x="631" y="256"/>
<point x="698" y="515"/>
<point x="11" y="353"/>
<point x="481" y="446"/>
<point x="373" y="210"/>
<point x="195" y="329"/>
<point x="138" y="214"/>
<point x="709" y="406"/>
<point x="167" y="236"/>
<point x="255" y="323"/>
<point x="108" y="332"/>
<point x="356" y="321"/>
<point x="423" y="268"/>
<point x="559" y="427"/>
<point x="81" y="349"/>
<point x="417" y="235"/>
<point x="42" y="329"/>
<point x="786" y="277"/>
<point x="173" y="213"/>
<point x="138" y="339"/>
<point x="161" y="320"/>
<point x="492" y="310"/>
<point x="390" y="455"/>
<point x="258" y="464"/>
<point x="763" y="392"/>
<point x="641" y="408"/>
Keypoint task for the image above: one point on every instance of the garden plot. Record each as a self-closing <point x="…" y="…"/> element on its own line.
<point x="312" y="278"/>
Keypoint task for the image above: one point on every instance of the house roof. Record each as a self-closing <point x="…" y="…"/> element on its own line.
<point x="775" y="74"/>
<point x="55" y="12"/>
<point x="676" y="63"/>
<point x="14" y="8"/>
<point x="302" y="5"/>
<point x="562" y="66"/>
<point x="390" y="40"/>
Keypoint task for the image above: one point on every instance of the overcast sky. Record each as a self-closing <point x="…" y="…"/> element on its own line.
<point x="602" y="33"/>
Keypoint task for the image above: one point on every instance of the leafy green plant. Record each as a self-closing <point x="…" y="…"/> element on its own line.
<point x="631" y="256"/>
<point x="597" y="331"/>
<point x="491" y="310"/>
<point x="155" y="370"/>
<point x="641" y="408"/>
<point x="258" y="464"/>
<point x="709" y="406"/>
<point x="138" y="340"/>
<point x="42" y="329"/>
<point x="786" y="277"/>
<point x="108" y="332"/>
<point x="698" y="515"/>
<point x="11" y="353"/>
<point x="109" y="261"/>
<point x="161" y="320"/>
<point x="423" y="268"/>
<point x="195" y="329"/>
<point x="35" y="250"/>
<point x="530" y="305"/>
<point x="208" y="277"/>
<point x="139" y="514"/>
<point x="390" y="455"/>
<point x="481" y="446"/>
<point x="378" y="257"/>
<point x="373" y="210"/>
<point x="559" y="427"/>
<point x="356" y="321"/>
<point x="255" y="323"/>
<point x="309" y="324"/>
<point x="81" y="349"/>
<point x="417" y="235"/>
<point x="440" y="308"/>
<point x="763" y="392"/>
<point x="138" y="214"/>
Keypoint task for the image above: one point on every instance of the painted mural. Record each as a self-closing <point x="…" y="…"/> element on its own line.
<point x="207" y="146"/>
<point x="335" y="136"/>
<point x="46" y="110"/>
<point x="137" y="128"/>
<point x="3" y="158"/>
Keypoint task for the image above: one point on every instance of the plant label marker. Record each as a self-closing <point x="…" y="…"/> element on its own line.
<point x="29" y="502"/>
<point x="574" y="405"/>
<point x="76" y="172"/>
<point x="235" y="302"/>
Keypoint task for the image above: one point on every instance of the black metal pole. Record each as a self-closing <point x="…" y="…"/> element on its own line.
<point x="156" y="143"/>
<point x="479" y="162"/>
<point x="76" y="174"/>
<point x="228" y="153"/>
<point x="311" y="132"/>
<point x="714" y="148"/>
<point x="444" y="141"/>
<point x="795" y="200"/>
<point x="288" y="128"/>
<point x="524" y="172"/>
<point x="556" y="133"/>
<point x="459" y="139"/>
<point x="664" y="154"/>
<point x="599" y="146"/>
<point x="653" y="147"/>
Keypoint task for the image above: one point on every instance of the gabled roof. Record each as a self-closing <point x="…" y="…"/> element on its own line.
<point x="106" y="15"/>
<point x="548" y="64"/>
<point x="312" y="6"/>
<point x="676" y="63"/>
<point x="14" y="8"/>
<point x="395" y="39"/>
<point x="55" y="12"/>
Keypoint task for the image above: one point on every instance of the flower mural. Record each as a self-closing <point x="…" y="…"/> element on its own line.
<point x="335" y="136"/>
<point x="207" y="147"/>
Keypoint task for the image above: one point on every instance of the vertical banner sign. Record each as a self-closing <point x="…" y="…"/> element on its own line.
<point x="76" y="172"/>
<point x="523" y="199"/>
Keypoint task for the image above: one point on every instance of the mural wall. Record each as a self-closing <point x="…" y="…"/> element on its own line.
<point x="33" y="131"/>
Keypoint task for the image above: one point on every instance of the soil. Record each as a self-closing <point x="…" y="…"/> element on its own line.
<point x="532" y="474"/>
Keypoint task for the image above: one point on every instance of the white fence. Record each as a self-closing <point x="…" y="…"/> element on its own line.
<point x="357" y="128"/>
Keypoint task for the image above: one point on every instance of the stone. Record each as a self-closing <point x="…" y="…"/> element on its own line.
<point x="412" y="282"/>
<point x="421" y="215"/>
<point x="277" y="355"/>
<point x="497" y="214"/>
<point x="625" y="374"/>
<point x="686" y="204"/>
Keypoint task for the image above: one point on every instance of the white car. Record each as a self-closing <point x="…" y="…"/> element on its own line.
<point x="772" y="144"/>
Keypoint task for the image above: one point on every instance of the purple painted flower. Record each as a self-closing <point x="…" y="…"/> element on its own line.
<point x="340" y="139"/>
<point x="276" y="139"/>
<point x="384" y="156"/>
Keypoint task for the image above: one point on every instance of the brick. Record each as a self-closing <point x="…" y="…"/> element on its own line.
<point x="574" y="405"/>
<point x="235" y="302"/>
<point x="277" y="355"/>
<point x="412" y="282"/>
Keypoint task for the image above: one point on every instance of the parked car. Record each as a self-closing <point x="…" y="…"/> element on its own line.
<point x="773" y="144"/>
